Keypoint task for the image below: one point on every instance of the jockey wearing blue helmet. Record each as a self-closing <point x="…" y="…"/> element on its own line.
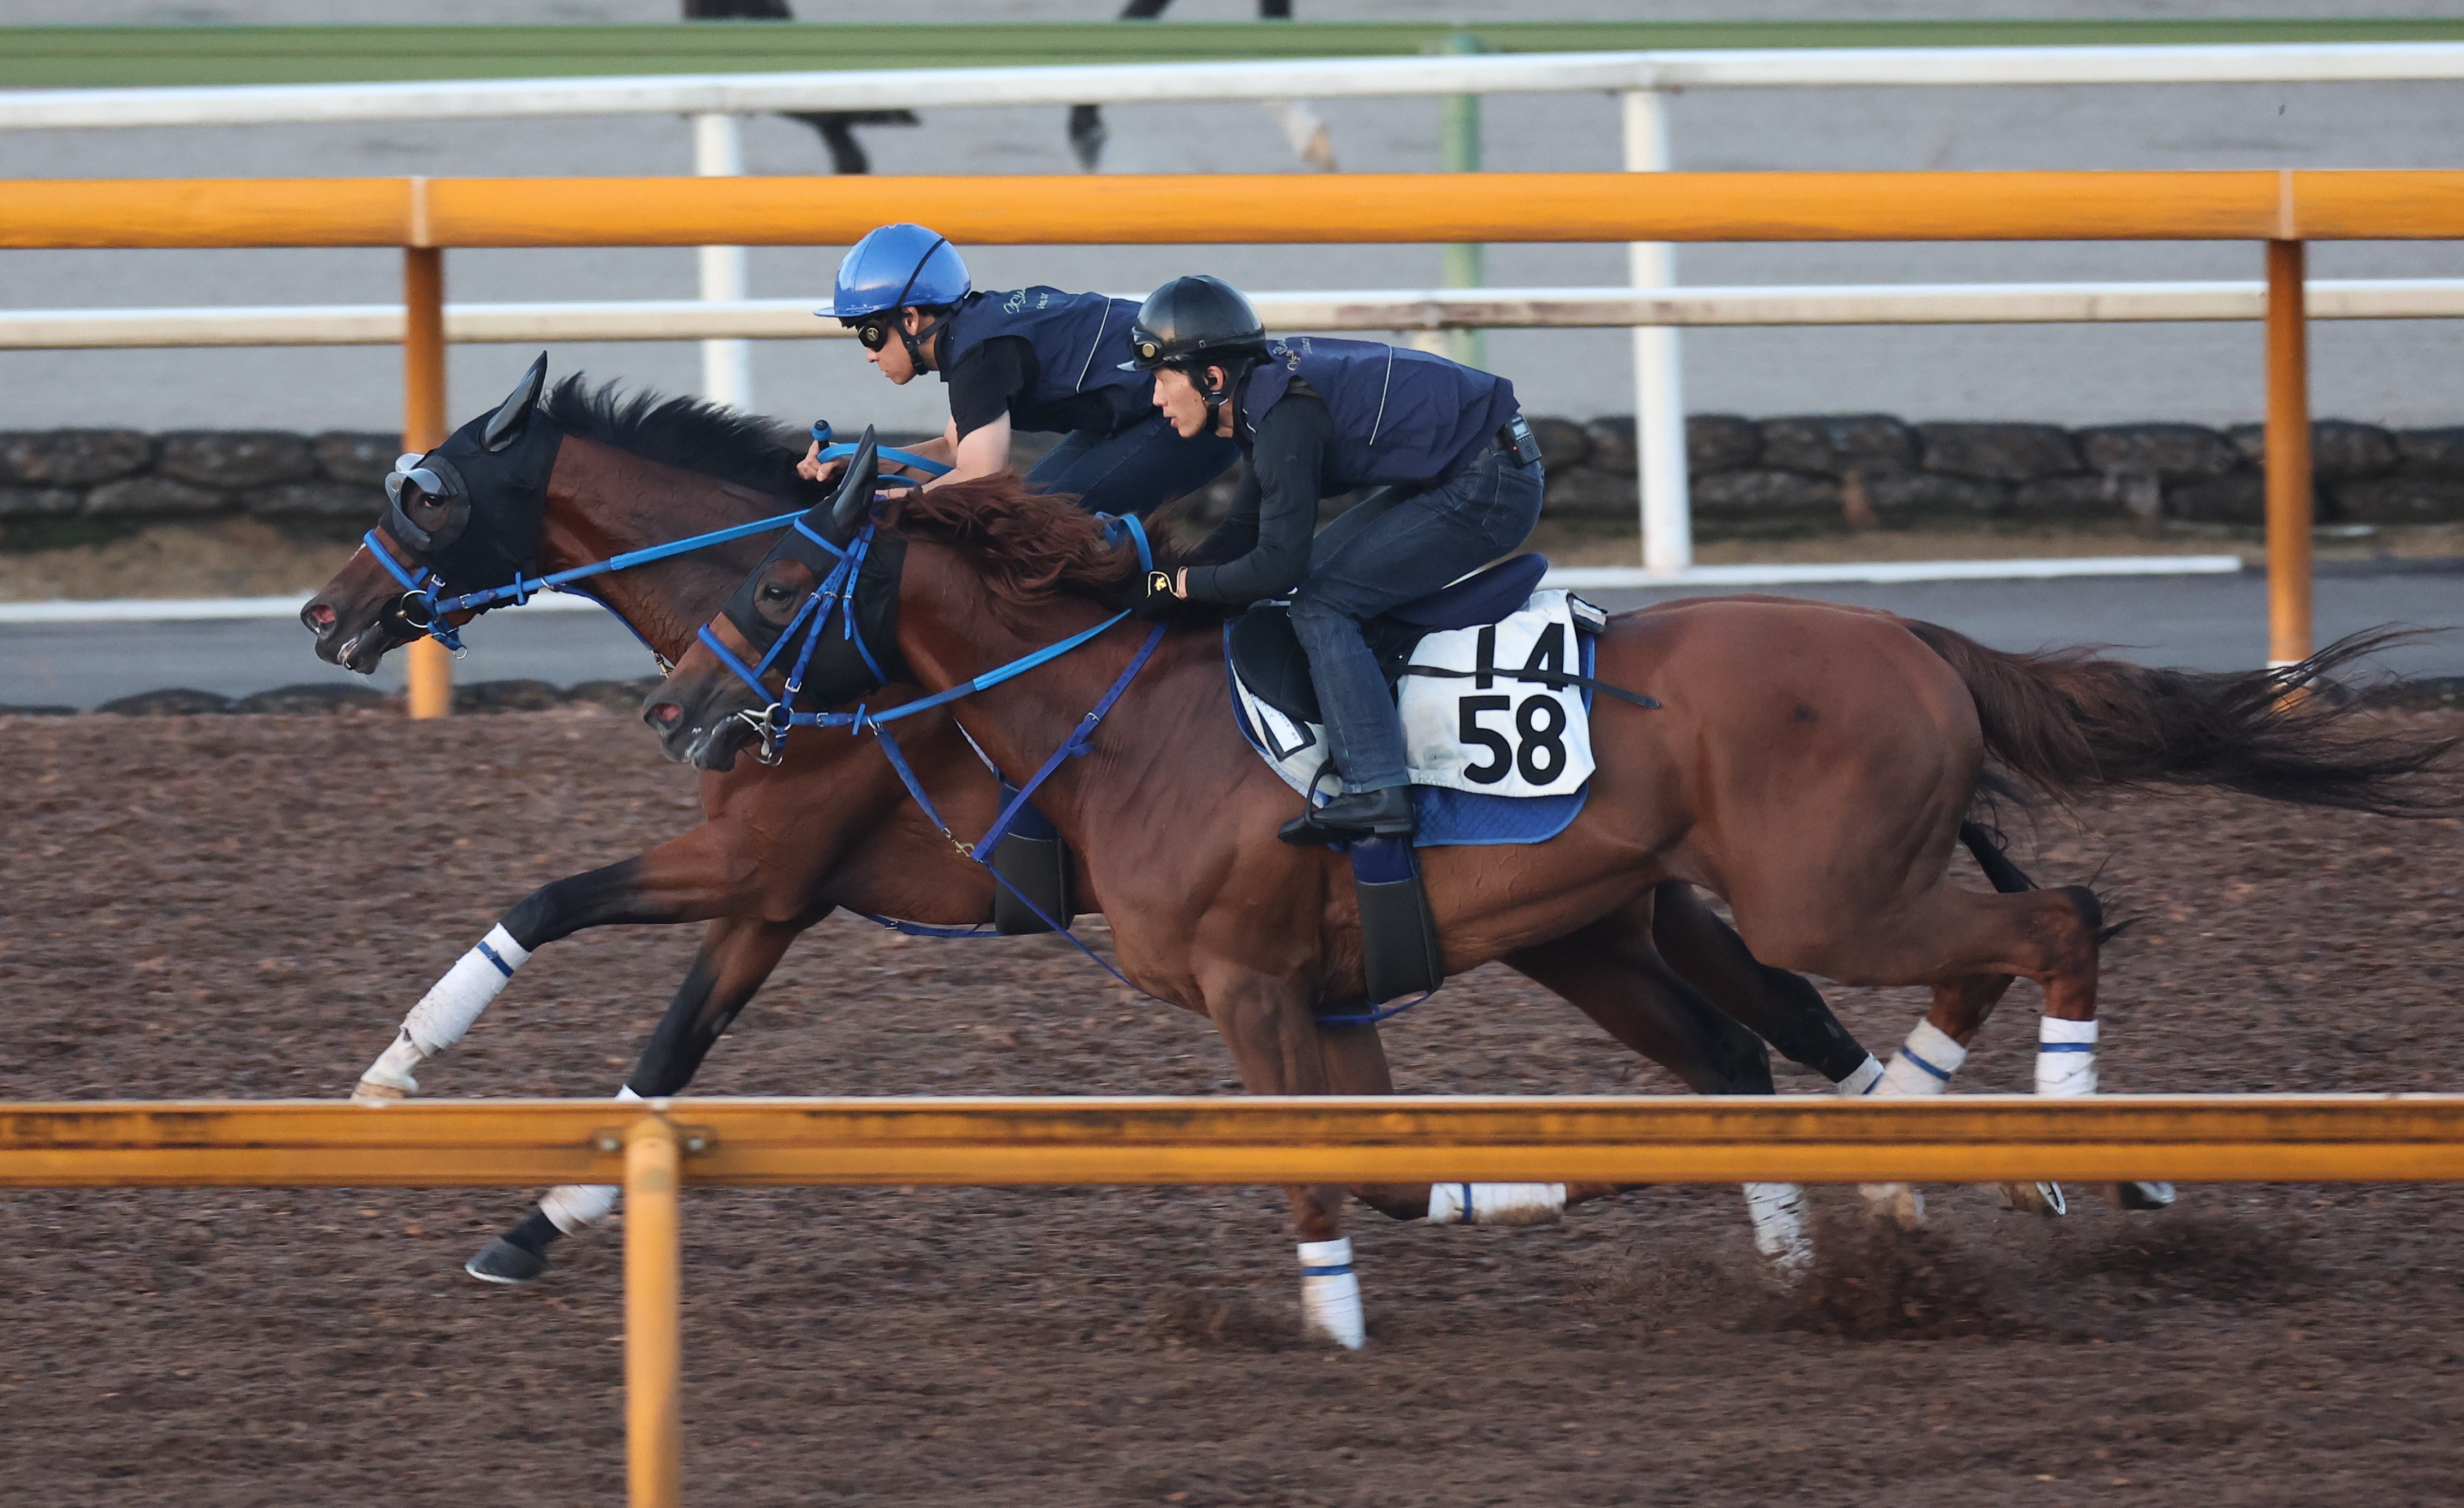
<point x="1035" y="360"/>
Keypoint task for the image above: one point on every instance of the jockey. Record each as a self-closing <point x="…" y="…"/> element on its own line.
<point x="1461" y="479"/>
<point x="1038" y="360"/>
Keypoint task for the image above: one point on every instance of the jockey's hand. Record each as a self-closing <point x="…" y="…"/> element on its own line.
<point x="1151" y="595"/>
<point x="812" y="468"/>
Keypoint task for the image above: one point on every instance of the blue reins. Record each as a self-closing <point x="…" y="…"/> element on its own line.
<point x="423" y="584"/>
<point x="835" y="596"/>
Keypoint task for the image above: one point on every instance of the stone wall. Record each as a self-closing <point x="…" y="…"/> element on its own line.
<point x="329" y="481"/>
<point x="1788" y="475"/>
<point x="1749" y="477"/>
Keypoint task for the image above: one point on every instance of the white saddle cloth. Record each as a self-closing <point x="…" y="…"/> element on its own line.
<point x="1490" y="733"/>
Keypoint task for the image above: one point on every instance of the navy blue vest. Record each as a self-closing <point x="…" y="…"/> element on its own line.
<point x="1401" y="417"/>
<point x="1080" y="341"/>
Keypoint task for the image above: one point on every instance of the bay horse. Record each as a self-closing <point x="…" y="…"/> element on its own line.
<point x="828" y="829"/>
<point x="1811" y="764"/>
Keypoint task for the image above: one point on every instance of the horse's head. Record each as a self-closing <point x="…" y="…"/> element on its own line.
<point x="466" y="514"/>
<point x="814" y="625"/>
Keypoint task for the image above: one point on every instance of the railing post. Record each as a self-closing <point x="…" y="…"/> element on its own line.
<point x="431" y="668"/>
<point x="652" y="1324"/>
<point x="1658" y="397"/>
<point x="1465" y="263"/>
<point x="2289" y="478"/>
<point x="726" y="365"/>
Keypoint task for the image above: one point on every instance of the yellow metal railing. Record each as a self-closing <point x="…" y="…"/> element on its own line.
<point x="653" y="1147"/>
<point x="2284" y="209"/>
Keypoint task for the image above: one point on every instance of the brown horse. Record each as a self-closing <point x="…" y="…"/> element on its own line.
<point x="1811" y="764"/>
<point x="828" y="829"/>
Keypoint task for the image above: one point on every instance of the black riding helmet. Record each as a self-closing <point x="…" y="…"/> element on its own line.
<point x="1193" y="322"/>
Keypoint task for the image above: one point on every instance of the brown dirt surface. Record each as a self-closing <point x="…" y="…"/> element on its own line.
<point x="245" y="906"/>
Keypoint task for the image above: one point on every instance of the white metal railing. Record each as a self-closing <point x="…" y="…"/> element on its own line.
<point x="1331" y="78"/>
<point x="736" y="320"/>
<point x="1642" y="79"/>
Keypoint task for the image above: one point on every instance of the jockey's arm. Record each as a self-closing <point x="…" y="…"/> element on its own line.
<point x="1289" y="462"/>
<point x="982" y="451"/>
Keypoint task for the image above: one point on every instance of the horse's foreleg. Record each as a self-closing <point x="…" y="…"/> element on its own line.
<point x="1355" y="1064"/>
<point x="1279" y="1047"/>
<point x="690" y="878"/>
<point x="1613" y="973"/>
<point x="736" y="955"/>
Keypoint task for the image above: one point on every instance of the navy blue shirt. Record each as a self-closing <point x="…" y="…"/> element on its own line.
<point x="1050" y="360"/>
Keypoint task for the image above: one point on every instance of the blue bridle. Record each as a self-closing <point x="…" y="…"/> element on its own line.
<point x="835" y="596"/>
<point x="420" y="585"/>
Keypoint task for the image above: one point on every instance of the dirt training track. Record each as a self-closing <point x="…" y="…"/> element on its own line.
<point x="245" y="906"/>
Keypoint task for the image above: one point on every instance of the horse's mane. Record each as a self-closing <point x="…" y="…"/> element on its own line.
<point x="1029" y="546"/>
<point x="687" y="434"/>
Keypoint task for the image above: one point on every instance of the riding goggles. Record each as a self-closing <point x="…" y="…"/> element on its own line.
<point x="873" y="334"/>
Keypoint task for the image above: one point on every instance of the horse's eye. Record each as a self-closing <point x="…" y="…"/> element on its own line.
<point x="774" y="591"/>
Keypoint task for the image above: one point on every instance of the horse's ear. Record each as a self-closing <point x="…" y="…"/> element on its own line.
<point x="855" y="486"/>
<point x="507" y="421"/>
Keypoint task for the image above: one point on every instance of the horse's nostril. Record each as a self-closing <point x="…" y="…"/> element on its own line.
<point x="318" y="617"/>
<point x="664" y="714"/>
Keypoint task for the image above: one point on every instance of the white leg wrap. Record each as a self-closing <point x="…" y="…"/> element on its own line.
<point x="1925" y="1065"/>
<point x="1496" y="1204"/>
<point x="450" y="1006"/>
<point x="1330" y="1293"/>
<point x="572" y="1206"/>
<point x="1862" y="1080"/>
<point x="389" y="1078"/>
<point x="2065" y="1057"/>
<point x="1778" y="1213"/>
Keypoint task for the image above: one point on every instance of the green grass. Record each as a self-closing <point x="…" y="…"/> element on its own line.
<point x="76" y="56"/>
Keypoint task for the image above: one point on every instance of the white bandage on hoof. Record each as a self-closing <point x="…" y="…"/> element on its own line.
<point x="453" y="1002"/>
<point x="1923" y="1066"/>
<point x="571" y="1208"/>
<point x="1866" y="1076"/>
<point x="1496" y="1204"/>
<point x="2065" y="1057"/>
<point x="577" y="1206"/>
<point x="1330" y="1294"/>
<point x="389" y="1078"/>
<point x="1778" y="1213"/>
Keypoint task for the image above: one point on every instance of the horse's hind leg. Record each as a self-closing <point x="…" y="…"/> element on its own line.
<point x="1613" y="973"/>
<point x="737" y="955"/>
<point x="1783" y="1009"/>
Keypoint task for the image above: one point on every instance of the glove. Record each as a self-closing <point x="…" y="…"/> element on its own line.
<point x="1151" y="596"/>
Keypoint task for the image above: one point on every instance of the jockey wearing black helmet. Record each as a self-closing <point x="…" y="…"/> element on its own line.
<point x="1447" y="444"/>
<point x="1036" y="359"/>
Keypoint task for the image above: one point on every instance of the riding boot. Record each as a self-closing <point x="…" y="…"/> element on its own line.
<point x="1385" y="814"/>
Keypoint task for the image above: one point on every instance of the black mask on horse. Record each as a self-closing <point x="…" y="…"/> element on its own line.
<point x="492" y="471"/>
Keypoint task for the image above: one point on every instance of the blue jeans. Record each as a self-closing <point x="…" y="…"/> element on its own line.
<point x="1135" y="471"/>
<point x="1410" y="549"/>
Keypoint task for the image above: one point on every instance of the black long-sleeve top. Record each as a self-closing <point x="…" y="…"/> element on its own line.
<point x="1263" y="544"/>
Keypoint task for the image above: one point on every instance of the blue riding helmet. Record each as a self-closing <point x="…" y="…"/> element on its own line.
<point x="897" y="266"/>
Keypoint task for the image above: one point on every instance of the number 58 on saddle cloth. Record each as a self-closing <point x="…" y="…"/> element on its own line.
<point x="1493" y="758"/>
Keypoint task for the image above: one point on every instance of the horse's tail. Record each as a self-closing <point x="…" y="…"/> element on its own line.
<point x="2068" y="719"/>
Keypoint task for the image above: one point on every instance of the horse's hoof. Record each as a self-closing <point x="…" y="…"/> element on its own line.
<point x="2036" y="1199"/>
<point x="1900" y="1204"/>
<point x="369" y="1092"/>
<point x="2144" y="1195"/>
<point x="502" y="1262"/>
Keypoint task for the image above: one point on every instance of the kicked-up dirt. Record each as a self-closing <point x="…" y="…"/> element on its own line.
<point x="245" y="906"/>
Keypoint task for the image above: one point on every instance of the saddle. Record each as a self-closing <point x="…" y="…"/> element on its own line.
<point x="1269" y="660"/>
